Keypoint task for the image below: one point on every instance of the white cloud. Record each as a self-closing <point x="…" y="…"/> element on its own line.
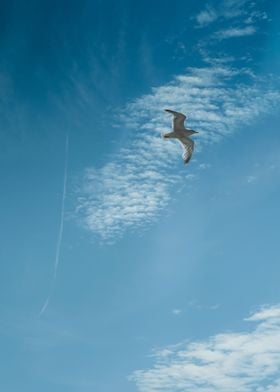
<point x="206" y="16"/>
<point x="251" y="179"/>
<point x="177" y="311"/>
<point x="269" y="313"/>
<point x="224" y="10"/>
<point x="227" y="362"/>
<point x="204" y="166"/>
<point x="136" y="184"/>
<point x="235" y="32"/>
<point x="230" y="10"/>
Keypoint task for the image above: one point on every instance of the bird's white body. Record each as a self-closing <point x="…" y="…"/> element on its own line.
<point x="181" y="133"/>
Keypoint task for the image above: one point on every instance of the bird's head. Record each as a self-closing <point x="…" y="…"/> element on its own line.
<point x="192" y="131"/>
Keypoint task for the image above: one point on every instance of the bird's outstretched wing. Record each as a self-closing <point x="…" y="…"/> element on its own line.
<point x="188" y="146"/>
<point x="178" y="120"/>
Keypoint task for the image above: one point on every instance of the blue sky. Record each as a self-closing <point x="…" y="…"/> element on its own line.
<point x="121" y="268"/>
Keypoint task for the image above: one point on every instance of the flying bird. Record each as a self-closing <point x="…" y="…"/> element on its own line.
<point x="182" y="134"/>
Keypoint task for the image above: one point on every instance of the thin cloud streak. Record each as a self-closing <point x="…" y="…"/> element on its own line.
<point x="235" y="32"/>
<point x="132" y="189"/>
<point x="61" y="227"/>
<point x="229" y="10"/>
<point x="231" y="361"/>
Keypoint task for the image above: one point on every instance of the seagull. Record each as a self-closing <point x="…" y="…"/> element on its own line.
<point x="181" y="133"/>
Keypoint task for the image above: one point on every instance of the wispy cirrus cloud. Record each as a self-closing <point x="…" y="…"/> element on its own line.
<point x="231" y="361"/>
<point x="132" y="189"/>
<point x="228" y="20"/>
<point x="229" y="10"/>
<point x="235" y="32"/>
<point x="224" y="10"/>
<point x="207" y="16"/>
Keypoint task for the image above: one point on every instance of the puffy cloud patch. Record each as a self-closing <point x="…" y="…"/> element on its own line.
<point x="226" y="362"/>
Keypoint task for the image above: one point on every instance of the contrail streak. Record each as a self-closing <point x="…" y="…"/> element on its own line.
<point x="61" y="226"/>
